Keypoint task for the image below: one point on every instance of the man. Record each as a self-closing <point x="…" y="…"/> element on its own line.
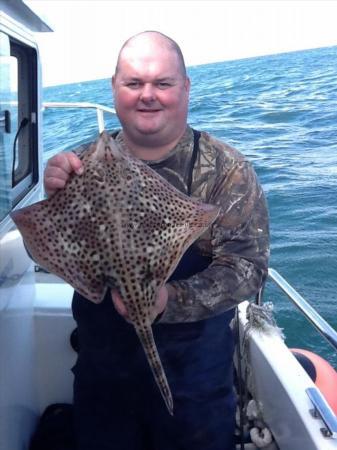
<point x="117" y="404"/>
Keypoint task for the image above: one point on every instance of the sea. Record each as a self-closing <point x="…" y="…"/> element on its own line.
<point x="280" y="111"/>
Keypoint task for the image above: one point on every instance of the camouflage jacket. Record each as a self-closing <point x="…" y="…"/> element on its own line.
<point x="238" y="241"/>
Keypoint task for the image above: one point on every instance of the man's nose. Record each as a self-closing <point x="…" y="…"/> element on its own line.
<point x="148" y="93"/>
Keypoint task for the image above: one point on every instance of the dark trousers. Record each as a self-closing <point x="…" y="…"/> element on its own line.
<point x="117" y="405"/>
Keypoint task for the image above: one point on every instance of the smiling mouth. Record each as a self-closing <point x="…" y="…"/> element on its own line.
<point x="148" y="110"/>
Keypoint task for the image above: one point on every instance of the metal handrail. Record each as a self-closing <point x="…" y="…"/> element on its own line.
<point x="307" y="310"/>
<point x="323" y="410"/>
<point x="100" y="109"/>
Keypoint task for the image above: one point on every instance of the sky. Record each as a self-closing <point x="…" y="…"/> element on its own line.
<point x="88" y="34"/>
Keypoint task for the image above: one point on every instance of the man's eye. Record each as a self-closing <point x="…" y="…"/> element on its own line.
<point x="163" y="85"/>
<point x="133" y="84"/>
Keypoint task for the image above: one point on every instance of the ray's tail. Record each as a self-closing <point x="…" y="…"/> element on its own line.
<point x="146" y="338"/>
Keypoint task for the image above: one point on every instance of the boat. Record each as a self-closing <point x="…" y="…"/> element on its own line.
<point x="279" y="404"/>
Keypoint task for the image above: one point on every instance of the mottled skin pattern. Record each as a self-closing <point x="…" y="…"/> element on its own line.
<point x="238" y="242"/>
<point x="121" y="226"/>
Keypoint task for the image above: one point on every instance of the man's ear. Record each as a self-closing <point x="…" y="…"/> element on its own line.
<point x="187" y="84"/>
<point x="113" y="79"/>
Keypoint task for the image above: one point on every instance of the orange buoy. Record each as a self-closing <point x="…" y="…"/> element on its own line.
<point x="321" y="372"/>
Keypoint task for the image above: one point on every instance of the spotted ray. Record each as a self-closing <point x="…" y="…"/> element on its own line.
<point x="118" y="226"/>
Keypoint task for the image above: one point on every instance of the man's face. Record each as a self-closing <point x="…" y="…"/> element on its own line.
<point x="151" y="95"/>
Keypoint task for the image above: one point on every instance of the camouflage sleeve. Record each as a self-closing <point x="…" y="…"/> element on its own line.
<point x="239" y="245"/>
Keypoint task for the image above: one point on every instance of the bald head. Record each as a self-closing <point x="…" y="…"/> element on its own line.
<point x="146" y="39"/>
<point x="151" y="93"/>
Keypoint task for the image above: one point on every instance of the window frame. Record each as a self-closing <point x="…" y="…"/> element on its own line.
<point x="26" y="173"/>
<point x="26" y="99"/>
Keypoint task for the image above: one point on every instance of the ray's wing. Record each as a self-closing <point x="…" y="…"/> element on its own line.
<point x="165" y="223"/>
<point x="62" y="237"/>
<point x="66" y="233"/>
<point x="54" y="240"/>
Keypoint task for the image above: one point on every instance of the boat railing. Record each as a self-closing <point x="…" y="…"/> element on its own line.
<point x="100" y="109"/>
<point x="307" y="310"/>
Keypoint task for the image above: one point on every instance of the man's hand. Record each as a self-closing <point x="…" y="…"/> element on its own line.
<point x="160" y="305"/>
<point x="58" y="170"/>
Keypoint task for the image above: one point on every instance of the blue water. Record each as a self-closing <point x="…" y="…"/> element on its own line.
<point x="281" y="112"/>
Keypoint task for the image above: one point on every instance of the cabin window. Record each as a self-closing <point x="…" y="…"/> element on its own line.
<point x="18" y="122"/>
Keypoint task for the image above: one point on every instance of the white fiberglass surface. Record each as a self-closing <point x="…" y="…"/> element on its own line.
<point x="279" y="387"/>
